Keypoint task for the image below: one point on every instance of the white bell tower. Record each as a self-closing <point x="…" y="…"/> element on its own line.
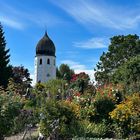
<point x="45" y="60"/>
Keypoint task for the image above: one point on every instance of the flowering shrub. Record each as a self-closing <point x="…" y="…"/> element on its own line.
<point x="96" y="108"/>
<point x="81" y="75"/>
<point x="127" y="114"/>
<point x="113" y="92"/>
<point x="72" y="106"/>
<point x="65" y="113"/>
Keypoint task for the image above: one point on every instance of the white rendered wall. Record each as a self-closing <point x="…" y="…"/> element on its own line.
<point x="44" y="71"/>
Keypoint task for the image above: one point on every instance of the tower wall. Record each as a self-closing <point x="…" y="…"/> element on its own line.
<point x="45" y="68"/>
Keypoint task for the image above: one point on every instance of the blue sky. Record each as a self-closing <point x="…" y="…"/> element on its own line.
<point x="80" y="29"/>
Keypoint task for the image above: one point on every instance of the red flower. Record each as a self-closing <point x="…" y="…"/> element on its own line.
<point x="77" y="94"/>
<point x="109" y="94"/>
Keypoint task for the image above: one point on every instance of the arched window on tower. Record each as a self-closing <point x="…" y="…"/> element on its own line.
<point x="48" y="61"/>
<point x="40" y="62"/>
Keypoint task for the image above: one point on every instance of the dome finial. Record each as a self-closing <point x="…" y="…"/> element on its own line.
<point x="46" y="34"/>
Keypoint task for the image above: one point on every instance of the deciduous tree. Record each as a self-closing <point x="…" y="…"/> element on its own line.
<point x="121" y="49"/>
<point x="64" y="72"/>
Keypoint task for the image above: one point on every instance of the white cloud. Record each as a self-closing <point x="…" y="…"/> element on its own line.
<point x="21" y="18"/>
<point x="73" y="65"/>
<point x="11" y="22"/>
<point x="93" y="43"/>
<point x="11" y="17"/>
<point x="89" y="13"/>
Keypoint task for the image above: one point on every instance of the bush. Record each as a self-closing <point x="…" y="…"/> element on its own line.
<point x="104" y="101"/>
<point x="102" y="106"/>
<point x="10" y="106"/>
<point x="66" y="115"/>
<point x="127" y="115"/>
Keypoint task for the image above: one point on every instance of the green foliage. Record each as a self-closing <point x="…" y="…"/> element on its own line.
<point x="51" y="88"/>
<point x="15" y="111"/>
<point x="40" y="86"/>
<point x="68" y="117"/>
<point x="129" y="74"/>
<point x="54" y="85"/>
<point x="96" y="130"/>
<point x="64" y="72"/>
<point x="20" y="122"/>
<point x="10" y="106"/>
<point x="58" y="75"/>
<point x="5" y="68"/>
<point x="102" y="106"/>
<point x="44" y="91"/>
<point x="121" y="49"/>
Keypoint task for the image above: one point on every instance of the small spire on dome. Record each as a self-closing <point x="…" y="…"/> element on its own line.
<point x="46" y="34"/>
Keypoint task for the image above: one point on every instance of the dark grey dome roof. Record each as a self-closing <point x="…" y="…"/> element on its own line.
<point x="45" y="46"/>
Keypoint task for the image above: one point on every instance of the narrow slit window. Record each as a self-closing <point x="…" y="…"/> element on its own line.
<point x="48" y="61"/>
<point x="40" y="62"/>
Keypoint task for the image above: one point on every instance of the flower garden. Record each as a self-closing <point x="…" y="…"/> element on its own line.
<point x="78" y="109"/>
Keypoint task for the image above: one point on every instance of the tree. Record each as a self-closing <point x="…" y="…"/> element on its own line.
<point x="21" y="75"/>
<point x="5" y="68"/>
<point x="64" y="72"/>
<point x="121" y="49"/>
<point x="80" y="81"/>
<point x="21" y="79"/>
<point x="129" y="74"/>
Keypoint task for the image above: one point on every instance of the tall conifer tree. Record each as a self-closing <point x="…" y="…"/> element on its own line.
<point x="5" y="68"/>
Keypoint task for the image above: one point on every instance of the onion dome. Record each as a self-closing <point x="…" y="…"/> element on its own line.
<point x="45" y="46"/>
